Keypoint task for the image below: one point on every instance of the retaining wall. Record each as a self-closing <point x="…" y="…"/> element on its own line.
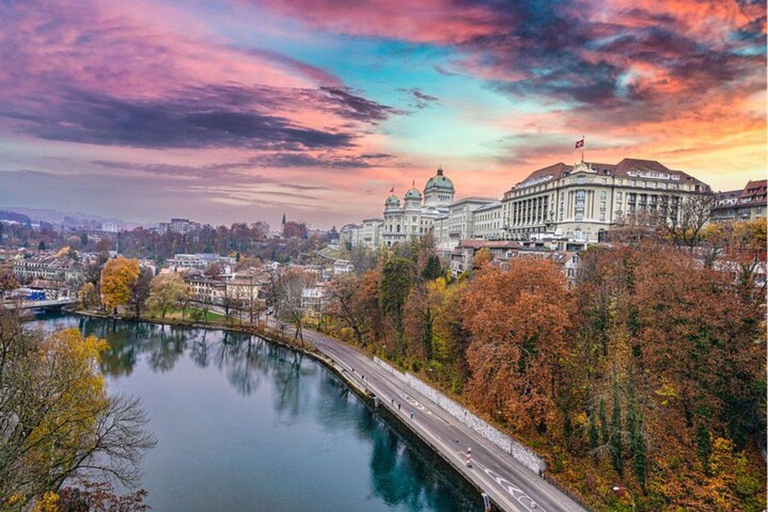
<point x="519" y="452"/>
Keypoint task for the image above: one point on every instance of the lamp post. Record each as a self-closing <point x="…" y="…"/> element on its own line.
<point x="632" y="498"/>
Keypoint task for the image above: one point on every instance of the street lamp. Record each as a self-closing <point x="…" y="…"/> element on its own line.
<point x="617" y="488"/>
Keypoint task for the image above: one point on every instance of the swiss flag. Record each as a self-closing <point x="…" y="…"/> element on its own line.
<point x="579" y="144"/>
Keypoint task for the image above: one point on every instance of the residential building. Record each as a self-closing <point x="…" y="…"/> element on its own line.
<point x="505" y="252"/>
<point x="748" y="203"/>
<point x="49" y="267"/>
<point x="198" y="261"/>
<point x="369" y="234"/>
<point x="181" y="226"/>
<point x="342" y="267"/>
<point x="313" y="300"/>
<point x="206" y="290"/>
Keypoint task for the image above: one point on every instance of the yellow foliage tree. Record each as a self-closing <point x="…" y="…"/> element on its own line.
<point x="167" y="291"/>
<point x="117" y="278"/>
<point x="53" y="390"/>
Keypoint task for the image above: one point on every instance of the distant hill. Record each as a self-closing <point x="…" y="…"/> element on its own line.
<point x="14" y="217"/>
<point x="58" y="217"/>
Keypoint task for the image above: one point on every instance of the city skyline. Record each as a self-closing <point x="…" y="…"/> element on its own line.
<point x="244" y="110"/>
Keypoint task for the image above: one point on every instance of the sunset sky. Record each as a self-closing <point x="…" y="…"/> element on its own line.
<point x="241" y="110"/>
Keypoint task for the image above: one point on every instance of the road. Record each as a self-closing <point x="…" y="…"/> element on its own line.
<point x="509" y="484"/>
<point x="40" y="304"/>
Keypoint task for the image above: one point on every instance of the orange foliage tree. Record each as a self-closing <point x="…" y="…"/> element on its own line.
<point x="518" y="321"/>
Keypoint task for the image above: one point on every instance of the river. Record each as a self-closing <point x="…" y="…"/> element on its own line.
<point x="245" y="425"/>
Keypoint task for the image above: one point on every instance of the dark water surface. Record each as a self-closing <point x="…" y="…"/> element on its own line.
<point x="245" y="425"/>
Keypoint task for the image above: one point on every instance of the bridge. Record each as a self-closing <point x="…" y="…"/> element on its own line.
<point x="41" y="304"/>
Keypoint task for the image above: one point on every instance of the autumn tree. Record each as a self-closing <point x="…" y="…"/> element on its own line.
<point x="345" y="303"/>
<point x="518" y="321"/>
<point x="213" y="270"/>
<point x="140" y="292"/>
<point x="294" y="230"/>
<point x="685" y="218"/>
<point x="87" y="296"/>
<point x="118" y="277"/>
<point x="167" y="291"/>
<point x="248" y="262"/>
<point x="424" y="305"/>
<point x="482" y="257"/>
<point x="56" y="419"/>
<point x="291" y="285"/>
<point x="7" y="281"/>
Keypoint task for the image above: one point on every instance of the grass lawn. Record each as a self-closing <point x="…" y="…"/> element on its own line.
<point x="176" y="314"/>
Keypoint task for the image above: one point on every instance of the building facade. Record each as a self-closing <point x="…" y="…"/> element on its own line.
<point x="180" y="226"/>
<point x="571" y="204"/>
<point x="744" y="204"/>
<point x="50" y="268"/>
<point x="584" y="200"/>
<point x="418" y="212"/>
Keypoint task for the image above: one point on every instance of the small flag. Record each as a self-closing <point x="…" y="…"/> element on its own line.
<point x="392" y="190"/>
<point x="579" y="144"/>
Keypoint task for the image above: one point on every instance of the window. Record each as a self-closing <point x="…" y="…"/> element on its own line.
<point x="605" y="181"/>
<point x="603" y="194"/>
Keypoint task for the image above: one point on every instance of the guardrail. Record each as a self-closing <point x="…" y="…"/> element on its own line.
<point x="519" y="452"/>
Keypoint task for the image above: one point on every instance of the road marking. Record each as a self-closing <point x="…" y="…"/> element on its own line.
<point x="500" y="485"/>
<point x="515" y="492"/>
<point x="416" y="404"/>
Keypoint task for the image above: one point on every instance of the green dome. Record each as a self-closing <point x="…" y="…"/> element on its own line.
<point x="439" y="181"/>
<point x="392" y="200"/>
<point x="413" y="194"/>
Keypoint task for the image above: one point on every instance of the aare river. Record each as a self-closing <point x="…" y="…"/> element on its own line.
<point x="245" y="425"/>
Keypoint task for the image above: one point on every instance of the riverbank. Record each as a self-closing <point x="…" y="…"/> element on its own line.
<point x="510" y="485"/>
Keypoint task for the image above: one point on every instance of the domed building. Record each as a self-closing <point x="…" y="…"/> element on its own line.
<point x="439" y="190"/>
<point x="418" y="211"/>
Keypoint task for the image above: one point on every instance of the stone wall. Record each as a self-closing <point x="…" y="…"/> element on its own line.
<point x="519" y="452"/>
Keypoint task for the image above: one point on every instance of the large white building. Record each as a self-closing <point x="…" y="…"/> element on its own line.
<point x="582" y="201"/>
<point x="416" y="215"/>
<point x="565" y="202"/>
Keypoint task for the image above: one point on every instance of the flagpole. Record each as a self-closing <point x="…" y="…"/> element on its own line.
<point x="583" y="141"/>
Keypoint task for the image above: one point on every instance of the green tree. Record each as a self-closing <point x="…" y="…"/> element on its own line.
<point x="615" y="442"/>
<point x="432" y="270"/>
<point x="396" y="279"/>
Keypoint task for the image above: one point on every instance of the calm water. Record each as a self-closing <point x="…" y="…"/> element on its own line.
<point x="244" y="425"/>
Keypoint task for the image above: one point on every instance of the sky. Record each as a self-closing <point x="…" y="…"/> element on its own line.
<point x="241" y="110"/>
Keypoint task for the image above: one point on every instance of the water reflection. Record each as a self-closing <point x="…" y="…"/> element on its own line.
<point x="339" y="454"/>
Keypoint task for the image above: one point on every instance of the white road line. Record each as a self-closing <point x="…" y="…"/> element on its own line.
<point x="515" y="492"/>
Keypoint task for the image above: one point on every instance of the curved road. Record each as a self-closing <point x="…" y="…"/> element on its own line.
<point x="510" y="485"/>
